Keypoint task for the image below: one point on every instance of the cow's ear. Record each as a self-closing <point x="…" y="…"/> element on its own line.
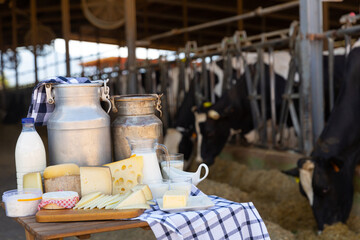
<point x="336" y="163"/>
<point x="292" y="172"/>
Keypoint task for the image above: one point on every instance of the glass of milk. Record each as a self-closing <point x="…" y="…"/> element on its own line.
<point x="146" y="147"/>
<point x="176" y="160"/>
<point x="159" y="187"/>
<point x="181" y="183"/>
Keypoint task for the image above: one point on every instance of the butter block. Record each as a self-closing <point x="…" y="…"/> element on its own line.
<point x="175" y="199"/>
<point x="32" y="180"/>
<point x="95" y="179"/>
<point x="67" y="169"/>
<point x="126" y="174"/>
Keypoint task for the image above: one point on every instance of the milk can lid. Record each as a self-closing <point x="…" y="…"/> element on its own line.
<point x="27" y="120"/>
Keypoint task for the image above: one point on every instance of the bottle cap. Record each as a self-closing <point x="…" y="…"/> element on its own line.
<point x="27" y="120"/>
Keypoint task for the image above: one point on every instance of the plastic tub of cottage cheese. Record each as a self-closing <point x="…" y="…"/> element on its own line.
<point x="21" y="203"/>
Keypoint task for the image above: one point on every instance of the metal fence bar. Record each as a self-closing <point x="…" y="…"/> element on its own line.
<point x="272" y="95"/>
<point x="257" y="12"/>
<point x="331" y="72"/>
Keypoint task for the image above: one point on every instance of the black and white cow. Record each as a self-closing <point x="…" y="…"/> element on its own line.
<point x="233" y="110"/>
<point x="326" y="178"/>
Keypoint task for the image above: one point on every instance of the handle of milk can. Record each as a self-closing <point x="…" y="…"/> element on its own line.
<point x="105" y="95"/>
<point x="49" y="94"/>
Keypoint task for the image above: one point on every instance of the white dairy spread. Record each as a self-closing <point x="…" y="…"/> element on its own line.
<point x="15" y="208"/>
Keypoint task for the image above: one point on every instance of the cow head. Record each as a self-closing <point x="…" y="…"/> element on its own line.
<point x="328" y="185"/>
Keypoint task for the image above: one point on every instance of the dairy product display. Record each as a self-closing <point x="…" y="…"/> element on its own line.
<point x="126" y="174"/>
<point x="95" y="179"/>
<point x="175" y="199"/>
<point x="30" y="153"/>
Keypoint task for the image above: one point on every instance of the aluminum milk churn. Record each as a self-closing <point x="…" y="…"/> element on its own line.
<point x="79" y="129"/>
<point x="135" y="119"/>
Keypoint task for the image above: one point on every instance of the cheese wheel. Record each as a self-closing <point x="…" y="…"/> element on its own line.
<point x="61" y="170"/>
<point x="63" y="183"/>
<point x="59" y="200"/>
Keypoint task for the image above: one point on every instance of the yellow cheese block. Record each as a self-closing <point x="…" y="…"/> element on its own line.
<point x="135" y="198"/>
<point x="32" y="180"/>
<point x="95" y="179"/>
<point x="175" y="199"/>
<point x="126" y="173"/>
<point x="60" y="170"/>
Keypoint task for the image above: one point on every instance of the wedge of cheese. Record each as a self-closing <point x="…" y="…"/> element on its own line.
<point x="146" y="190"/>
<point x="95" y="179"/>
<point x="135" y="198"/>
<point x="126" y="174"/>
<point x="32" y="180"/>
<point x="175" y="199"/>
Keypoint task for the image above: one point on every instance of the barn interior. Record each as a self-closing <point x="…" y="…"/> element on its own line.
<point x="188" y="34"/>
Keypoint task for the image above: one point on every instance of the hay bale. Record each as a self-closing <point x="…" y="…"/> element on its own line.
<point x="277" y="232"/>
<point x="338" y="231"/>
<point x="223" y="190"/>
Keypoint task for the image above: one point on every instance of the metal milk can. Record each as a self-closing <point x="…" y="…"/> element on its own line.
<point x="135" y="119"/>
<point x="79" y="129"/>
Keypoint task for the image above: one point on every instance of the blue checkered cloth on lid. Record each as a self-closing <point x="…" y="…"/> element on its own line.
<point x="39" y="109"/>
<point x="226" y="220"/>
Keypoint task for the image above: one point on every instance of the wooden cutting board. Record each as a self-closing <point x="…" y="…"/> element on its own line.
<point x="74" y="215"/>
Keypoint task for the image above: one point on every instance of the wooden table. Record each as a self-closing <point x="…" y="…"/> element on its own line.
<point x="82" y="230"/>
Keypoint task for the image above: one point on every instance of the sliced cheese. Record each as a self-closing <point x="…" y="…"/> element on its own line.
<point x="60" y="170"/>
<point x="175" y="199"/>
<point x="95" y="179"/>
<point x="109" y="200"/>
<point x="86" y="199"/>
<point x="126" y="173"/>
<point x="146" y="190"/>
<point x="134" y="198"/>
<point x="94" y="202"/>
<point x="32" y="180"/>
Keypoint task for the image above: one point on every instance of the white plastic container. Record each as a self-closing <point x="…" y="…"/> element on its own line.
<point x="21" y="203"/>
<point x="30" y="153"/>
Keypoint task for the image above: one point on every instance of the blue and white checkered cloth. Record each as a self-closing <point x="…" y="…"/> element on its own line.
<point x="226" y="220"/>
<point x="39" y="109"/>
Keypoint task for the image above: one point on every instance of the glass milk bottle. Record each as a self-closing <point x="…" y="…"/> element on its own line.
<point x="147" y="149"/>
<point x="30" y="153"/>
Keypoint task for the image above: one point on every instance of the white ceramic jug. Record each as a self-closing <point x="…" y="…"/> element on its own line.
<point x="195" y="176"/>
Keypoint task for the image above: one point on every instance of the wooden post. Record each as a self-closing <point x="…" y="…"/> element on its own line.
<point x="130" y="27"/>
<point x="185" y="20"/>
<point x="240" y="11"/>
<point x="15" y="41"/>
<point x="65" y="15"/>
<point x="326" y="16"/>
<point x="34" y="33"/>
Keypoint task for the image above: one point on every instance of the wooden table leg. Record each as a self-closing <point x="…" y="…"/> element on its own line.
<point x="29" y="236"/>
<point x="87" y="236"/>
